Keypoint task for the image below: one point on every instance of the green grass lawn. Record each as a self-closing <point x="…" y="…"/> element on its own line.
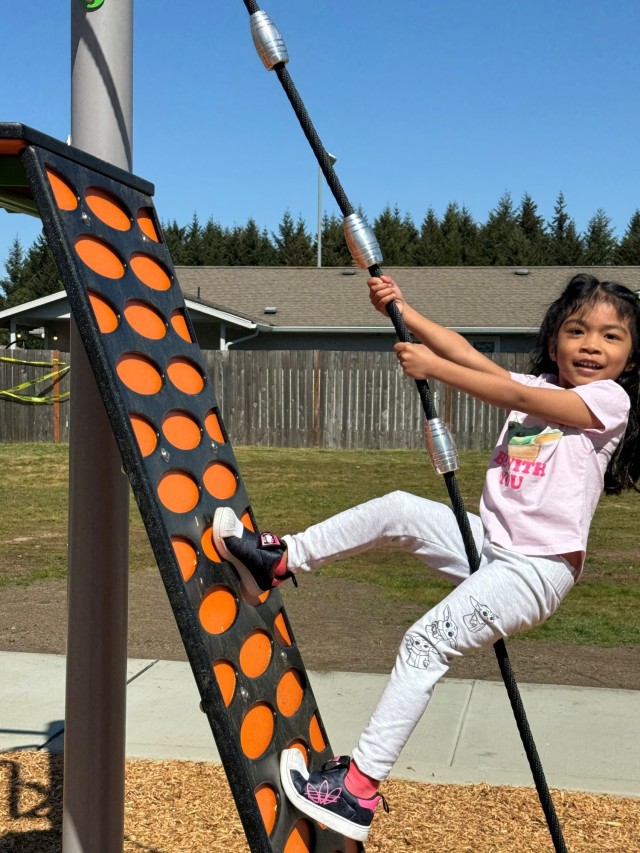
<point x="291" y="489"/>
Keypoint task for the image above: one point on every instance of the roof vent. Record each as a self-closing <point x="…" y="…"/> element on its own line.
<point x="271" y="309"/>
<point x="349" y="272"/>
<point x="522" y="271"/>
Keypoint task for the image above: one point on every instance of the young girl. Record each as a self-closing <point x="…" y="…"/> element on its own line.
<point x="561" y="444"/>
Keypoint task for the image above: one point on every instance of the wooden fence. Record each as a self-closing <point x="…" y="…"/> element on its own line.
<point x="292" y="398"/>
<point x="26" y="376"/>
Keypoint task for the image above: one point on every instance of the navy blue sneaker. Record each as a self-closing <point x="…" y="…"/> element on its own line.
<point x="322" y="795"/>
<point x="259" y="557"/>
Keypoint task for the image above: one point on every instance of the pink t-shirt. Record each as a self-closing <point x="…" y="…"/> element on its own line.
<point x="544" y="479"/>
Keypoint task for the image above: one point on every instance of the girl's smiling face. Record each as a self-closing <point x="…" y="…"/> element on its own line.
<point x="593" y="343"/>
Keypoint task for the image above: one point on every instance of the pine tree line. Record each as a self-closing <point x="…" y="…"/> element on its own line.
<point x="512" y="235"/>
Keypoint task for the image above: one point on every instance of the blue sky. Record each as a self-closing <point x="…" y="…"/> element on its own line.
<point x="422" y="101"/>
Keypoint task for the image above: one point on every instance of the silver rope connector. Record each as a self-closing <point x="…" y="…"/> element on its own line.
<point x="268" y="41"/>
<point x="361" y="241"/>
<point x="441" y="447"/>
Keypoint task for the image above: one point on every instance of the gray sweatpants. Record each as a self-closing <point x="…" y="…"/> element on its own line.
<point x="510" y="592"/>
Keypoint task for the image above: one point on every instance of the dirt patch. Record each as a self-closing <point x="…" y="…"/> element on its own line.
<point x="339" y="625"/>
<point x="179" y="807"/>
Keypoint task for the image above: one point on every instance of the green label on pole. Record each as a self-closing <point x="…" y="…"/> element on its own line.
<point x="92" y="5"/>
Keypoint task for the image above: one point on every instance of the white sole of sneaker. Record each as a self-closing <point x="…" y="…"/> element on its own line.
<point x="224" y="522"/>
<point x="292" y="759"/>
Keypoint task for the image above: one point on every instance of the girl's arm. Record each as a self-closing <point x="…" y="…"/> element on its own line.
<point x="564" y="407"/>
<point x="444" y="342"/>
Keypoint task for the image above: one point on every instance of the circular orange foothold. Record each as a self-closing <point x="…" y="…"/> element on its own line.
<point x="107" y="208"/>
<point x="186" y="555"/>
<point x="99" y="257"/>
<point x="218" y="610"/>
<point x="178" y="491"/>
<point x="255" y="654"/>
<point x="185" y="375"/>
<point x="65" y="196"/>
<point x="147" y="223"/>
<point x="290" y="692"/>
<point x="267" y="800"/>
<point x="282" y="630"/>
<point x="226" y="677"/>
<point x="212" y="426"/>
<point x="220" y="481"/>
<point x="139" y="373"/>
<point x="106" y="317"/>
<point x="245" y="518"/>
<point x="301" y="838"/>
<point x="181" y="429"/>
<point x="208" y="547"/>
<point x="257" y="730"/>
<point x="316" y="737"/>
<point x="145" y="320"/>
<point x="145" y="434"/>
<point x="150" y="271"/>
<point x="180" y="327"/>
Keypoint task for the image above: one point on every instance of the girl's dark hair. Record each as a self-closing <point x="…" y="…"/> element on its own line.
<point x="623" y="470"/>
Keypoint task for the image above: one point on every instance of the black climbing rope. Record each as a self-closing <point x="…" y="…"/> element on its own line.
<point x="273" y="53"/>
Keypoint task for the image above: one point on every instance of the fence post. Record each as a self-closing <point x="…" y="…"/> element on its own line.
<point x="56" y="401"/>
<point x="315" y="429"/>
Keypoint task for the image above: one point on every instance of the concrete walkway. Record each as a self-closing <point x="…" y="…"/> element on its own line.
<point x="588" y="739"/>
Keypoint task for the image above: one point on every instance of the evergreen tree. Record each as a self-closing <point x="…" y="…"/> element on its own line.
<point x="469" y="237"/>
<point x="293" y="244"/>
<point x="214" y="245"/>
<point x="13" y="266"/>
<point x="37" y="276"/>
<point x="193" y="243"/>
<point x="428" y="251"/>
<point x="451" y="230"/>
<point x="397" y="237"/>
<point x="533" y="228"/>
<point x="599" y="242"/>
<point x="502" y="242"/>
<point x="628" y="251"/>
<point x="335" y="252"/>
<point x="174" y="237"/>
<point x="565" y="244"/>
<point x="249" y="247"/>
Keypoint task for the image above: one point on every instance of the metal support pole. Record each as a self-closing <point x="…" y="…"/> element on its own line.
<point x="332" y="160"/>
<point x="93" y="800"/>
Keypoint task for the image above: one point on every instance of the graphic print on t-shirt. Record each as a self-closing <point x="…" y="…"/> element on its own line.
<point x="523" y="448"/>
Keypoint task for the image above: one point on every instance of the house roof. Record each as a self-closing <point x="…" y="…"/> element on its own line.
<point x="470" y="299"/>
<point x="312" y="298"/>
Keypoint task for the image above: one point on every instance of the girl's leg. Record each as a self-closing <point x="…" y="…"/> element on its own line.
<point x="425" y="528"/>
<point x="510" y="592"/>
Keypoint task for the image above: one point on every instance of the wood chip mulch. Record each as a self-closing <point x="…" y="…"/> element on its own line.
<point x="183" y="806"/>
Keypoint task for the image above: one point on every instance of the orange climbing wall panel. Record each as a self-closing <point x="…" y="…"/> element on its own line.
<point x="127" y="303"/>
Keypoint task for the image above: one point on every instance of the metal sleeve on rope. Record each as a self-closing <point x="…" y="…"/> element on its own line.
<point x="441" y="447"/>
<point x="269" y="43"/>
<point x="361" y="241"/>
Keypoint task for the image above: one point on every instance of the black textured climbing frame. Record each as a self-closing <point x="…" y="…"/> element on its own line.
<point x="102" y="226"/>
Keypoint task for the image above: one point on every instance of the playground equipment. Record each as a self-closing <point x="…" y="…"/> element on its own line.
<point x="104" y="231"/>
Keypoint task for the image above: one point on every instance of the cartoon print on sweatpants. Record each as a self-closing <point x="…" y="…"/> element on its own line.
<point x="445" y="630"/>
<point x="419" y="649"/>
<point x="441" y="631"/>
<point x="481" y="616"/>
